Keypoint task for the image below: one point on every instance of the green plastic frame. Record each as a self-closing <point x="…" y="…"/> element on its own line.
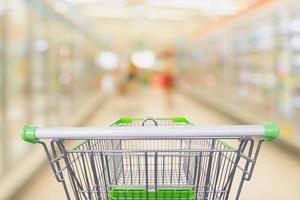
<point x="129" y="120"/>
<point x="141" y="193"/>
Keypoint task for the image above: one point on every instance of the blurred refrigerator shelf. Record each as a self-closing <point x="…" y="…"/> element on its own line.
<point x="254" y="67"/>
<point x="48" y="71"/>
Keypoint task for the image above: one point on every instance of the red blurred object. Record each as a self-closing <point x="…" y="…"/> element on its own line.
<point x="166" y="80"/>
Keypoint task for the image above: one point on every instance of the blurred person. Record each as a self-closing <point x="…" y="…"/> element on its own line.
<point x="167" y="75"/>
<point x="145" y="78"/>
<point x="121" y="80"/>
<point x="132" y="77"/>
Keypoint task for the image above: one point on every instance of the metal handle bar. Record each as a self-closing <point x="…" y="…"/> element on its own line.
<point x="268" y="132"/>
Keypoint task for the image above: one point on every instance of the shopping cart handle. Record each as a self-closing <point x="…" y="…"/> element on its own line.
<point x="268" y="132"/>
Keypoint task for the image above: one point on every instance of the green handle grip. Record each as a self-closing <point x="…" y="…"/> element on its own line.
<point x="271" y="131"/>
<point x="28" y="134"/>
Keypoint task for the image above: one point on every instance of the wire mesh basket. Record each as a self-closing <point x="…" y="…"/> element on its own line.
<point x="150" y="158"/>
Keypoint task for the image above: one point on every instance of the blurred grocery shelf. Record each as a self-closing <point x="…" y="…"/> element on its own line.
<point x="45" y="73"/>
<point x="19" y="175"/>
<point x="250" y="68"/>
<point x="243" y="115"/>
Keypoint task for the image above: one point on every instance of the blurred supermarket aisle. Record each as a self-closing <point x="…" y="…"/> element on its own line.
<point x="242" y="57"/>
<point x="276" y="176"/>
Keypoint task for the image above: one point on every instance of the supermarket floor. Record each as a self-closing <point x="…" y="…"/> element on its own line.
<point x="276" y="176"/>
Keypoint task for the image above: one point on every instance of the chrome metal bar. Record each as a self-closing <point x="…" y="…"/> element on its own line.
<point x="150" y="132"/>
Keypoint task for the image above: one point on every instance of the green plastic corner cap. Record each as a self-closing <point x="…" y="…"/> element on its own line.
<point x="28" y="134"/>
<point x="271" y="131"/>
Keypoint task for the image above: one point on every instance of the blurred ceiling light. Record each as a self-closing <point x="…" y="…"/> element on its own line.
<point x="169" y="14"/>
<point x="219" y="8"/>
<point x="108" y="60"/>
<point x="144" y="59"/>
<point x="127" y="12"/>
<point x="41" y="45"/>
<point x="103" y="2"/>
<point x="108" y="12"/>
<point x="191" y="4"/>
<point x="211" y="7"/>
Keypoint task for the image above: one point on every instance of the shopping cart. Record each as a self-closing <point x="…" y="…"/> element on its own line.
<point x="139" y="159"/>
